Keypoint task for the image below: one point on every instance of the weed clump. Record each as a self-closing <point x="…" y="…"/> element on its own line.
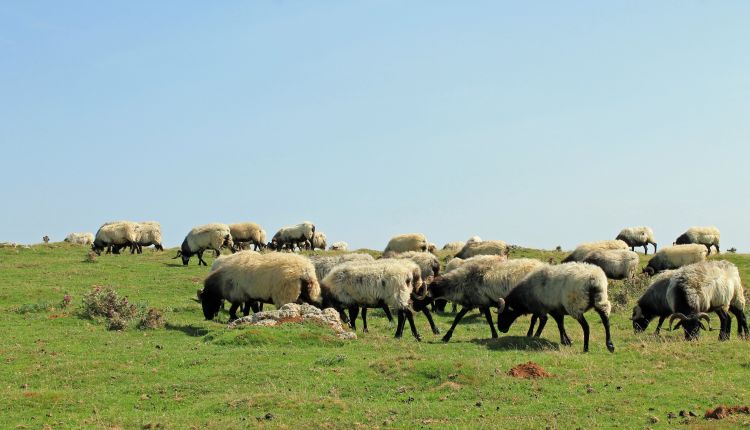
<point x="623" y="293"/>
<point x="153" y="319"/>
<point x="90" y="257"/>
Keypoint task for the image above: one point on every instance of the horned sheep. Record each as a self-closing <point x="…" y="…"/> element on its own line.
<point x="267" y="278"/>
<point x="559" y="290"/>
<point x="584" y="249"/>
<point x="80" y="238"/>
<point x="486" y="247"/>
<point x="637" y="236"/>
<point x="707" y="286"/>
<point x="707" y="236"/>
<point x="674" y="257"/>
<point x="207" y="236"/>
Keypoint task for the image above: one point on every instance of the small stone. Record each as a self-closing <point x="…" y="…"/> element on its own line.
<point x="653" y="419"/>
<point x="268" y="416"/>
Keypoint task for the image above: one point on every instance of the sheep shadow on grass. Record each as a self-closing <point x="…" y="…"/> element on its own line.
<point x="190" y="330"/>
<point x="518" y="343"/>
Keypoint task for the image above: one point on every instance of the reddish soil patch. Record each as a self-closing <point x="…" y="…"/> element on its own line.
<point x="528" y="370"/>
<point x="721" y="412"/>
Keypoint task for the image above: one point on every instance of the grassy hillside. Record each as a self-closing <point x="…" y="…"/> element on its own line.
<point x="62" y="370"/>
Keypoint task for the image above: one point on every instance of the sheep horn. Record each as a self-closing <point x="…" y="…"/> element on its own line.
<point x="500" y="305"/>
<point x="677" y="316"/>
<point x="704" y="316"/>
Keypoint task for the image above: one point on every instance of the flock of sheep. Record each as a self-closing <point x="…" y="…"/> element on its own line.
<point x="685" y="286"/>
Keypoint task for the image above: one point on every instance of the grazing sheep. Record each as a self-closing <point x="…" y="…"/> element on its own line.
<point x="453" y="246"/>
<point x="407" y="242"/>
<point x="248" y="233"/>
<point x="486" y="247"/>
<point x="376" y="283"/>
<point x="616" y="263"/>
<point x="637" y="236"/>
<point x="456" y="262"/>
<point x="300" y="235"/>
<point x="707" y="236"/>
<point x="319" y="241"/>
<point x="559" y="290"/>
<point x="266" y="278"/>
<point x="653" y="303"/>
<point x="584" y="249"/>
<point x="479" y="284"/>
<point x="149" y="233"/>
<point x="324" y="263"/>
<point x="80" y="238"/>
<point x="207" y="236"/>
<point x="674" y="257"/>
<point x="339" y="246"/>
<point x="117" y="234"/>
<point x="221" y="261"/>
<point x="707" y="286"/>
<point x="427" y="262"/>
<point x="474" y="239"/>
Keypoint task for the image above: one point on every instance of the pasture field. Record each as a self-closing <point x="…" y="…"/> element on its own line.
<point x="62" y="370"/>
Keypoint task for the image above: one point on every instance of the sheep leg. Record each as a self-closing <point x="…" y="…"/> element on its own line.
<point x="585" y="326"/>
<point x="459" y="315"/>
<point x="428" y="315"/>
<point x="605" y="322"/>
<point x="454" y="307"/>
<point x="645" y="249"/>
<point x="658" y="326"/>
<point x="542" y="323"/>
<point x="387" y="311"/>
<point x="531" y="326"/>
<point x="726" y="324"/>
<point x="256" y="307"/>
<point x="564" y="339"/>
<point x="364" y="319"/>
<point x="200" y="258"/>
<point x="742" y="329"/>
<point x="709" y="249"/>
<point x="353" y="311"/>
<point x="488" y="317"/>
<point x="217" y="253"/>
<point x="233" y="311"/>
<point x="400" y="326"/>
<point x="412" y="326"/>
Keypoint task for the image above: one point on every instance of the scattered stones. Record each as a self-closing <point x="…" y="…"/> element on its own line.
<point x="292" y="312"/>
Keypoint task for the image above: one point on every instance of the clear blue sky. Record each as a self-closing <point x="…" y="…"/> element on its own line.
<point x="539" y="123"/>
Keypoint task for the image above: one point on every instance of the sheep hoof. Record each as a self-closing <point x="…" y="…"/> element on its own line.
<point x="610" y="347"/>
<point x="436" y="331"/>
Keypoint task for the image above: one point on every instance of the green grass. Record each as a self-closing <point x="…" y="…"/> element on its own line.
<point x="62" y="370"/>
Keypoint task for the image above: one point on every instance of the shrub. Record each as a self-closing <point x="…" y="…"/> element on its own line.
<point x="90" y="257"/>
<point x="104" y="302"/>
<point x="152" y="319"/>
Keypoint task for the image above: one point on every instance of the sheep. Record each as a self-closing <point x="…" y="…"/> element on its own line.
<point x="248" y="233"/>
<point x="559" y="290"/>
<point x="319" y="241"/>
<point x="149" y="233"/>
<point x="289" y="236"/>
<point x="123" y="233"/>
<point x="708" y="236"/>
<point x="429" y="267"/>
<point x="707" y="286"/>
<point x="674" y="257"/>
<point x="486" y="247"/>
<point x="80" y="238"/>
<point x="453" y="246"/>
<point x="474" y="239"/>
<point x="223" y="260"/>
<point x="407" y="242"/>
<point x="267" y="278"/>
<point x="456" y="262"/>
<point x="376" y="283"/>
<point x="616" y="263"/>
<point x="324" y="263"/>
<point x="207" y="236"/>
<point x="583" y="249"/>
<point x="339" y="246"/>
<point x="637" y="236"/>
<point x="431" y="247"/>
<point x="653" y="303"/>
<point x="479" y="284"/>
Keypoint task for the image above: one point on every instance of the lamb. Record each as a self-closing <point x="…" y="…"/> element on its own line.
<point x="266" y="278"/>
<point x="653" y="303"/>
<point x="80" y="238"/>
<point x="407" y="242"/>
<point x="248" y="233"/>
<point x="486" y="247"/>
<point x="319" y="241"/>
<point x="289" y="236"/>
<point x="674" y="257"/>
<point x="616" y="263"/>
<point x="479" y="284"/>
<point x="373" y="284"/>
<point x="453" y="246"/>
<point x="207" y="236"/>
<point x="708" y="236"/>
<point x="707" y="286"/>
<point x="637" y="236"/>
<point x="122" y="233"/>
<point x="583" y="250"/>
<point x="559" y="290"/>
<point x="339" y="246"/>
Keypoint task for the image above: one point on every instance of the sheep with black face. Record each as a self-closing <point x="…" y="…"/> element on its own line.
<point x="653" y="303"/>
<point x="208" y="236"/>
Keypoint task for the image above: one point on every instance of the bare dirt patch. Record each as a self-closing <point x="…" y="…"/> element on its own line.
<point x="722" y="411"/>
<point x="528" y="370"/>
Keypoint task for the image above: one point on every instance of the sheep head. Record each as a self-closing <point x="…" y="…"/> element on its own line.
<point x="691" y="324"/>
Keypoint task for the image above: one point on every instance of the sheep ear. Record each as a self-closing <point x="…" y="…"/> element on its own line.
<point x="500" y="305"/>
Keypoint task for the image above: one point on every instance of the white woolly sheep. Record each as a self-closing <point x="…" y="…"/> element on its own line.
<point x="207" y="236"/>
<point x="319" y="241"/>
<point x="485" y="247"/>
<point x="227" y="259"/>
<point x="456" y="262"/>
<point x="80" y="238"/>
<point x="376" y="283"/>
<point x="407" y="242"/>
<point x="559" y="290"/>
<point x="300" y="235"/>
<point x="653" y="303"/>
<point x="267" y="278"/>
<point x="149" y="233"/>
<point x="324" y="263"/>
<point x="638" y="236"/>
<point x="707" y="236"/>
<point x="674" y="257"/>
<point x="707" y="286"/>
<point x="584" y="249"/>
<point x="479" y="283"/>
<point x="454" y="246"/>
<point x="117" y="234"/>
<point x="339" y="246"/>
<point x="616" y="263"/>
<point x="248" y="233"/>
<point x="431" y="247"/>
